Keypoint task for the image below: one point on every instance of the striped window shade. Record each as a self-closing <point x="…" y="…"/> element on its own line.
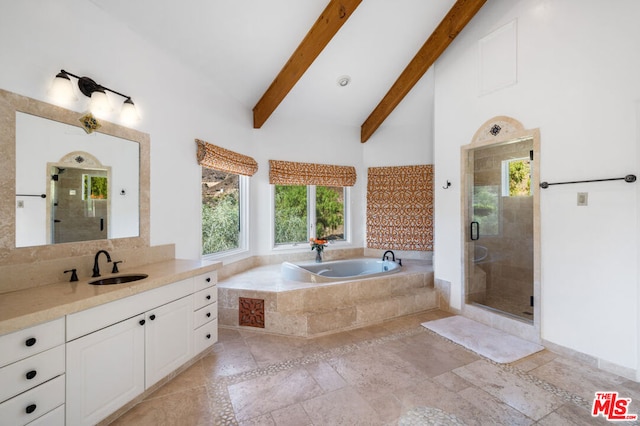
<point x="400" y="208"/>
<point x="224" y="160"/>
<point x="291" y="173"/>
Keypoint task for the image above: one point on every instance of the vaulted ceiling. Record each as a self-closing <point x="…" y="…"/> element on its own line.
<point x="283" y="58"/>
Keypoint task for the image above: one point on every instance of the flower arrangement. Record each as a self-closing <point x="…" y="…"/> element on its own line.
<point x="317" y="244"/>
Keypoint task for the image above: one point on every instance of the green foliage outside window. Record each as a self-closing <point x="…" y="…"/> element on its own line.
<point x="221" y="224"/>
<point x="290" y="214"/>
<point x="329" y="213"/>
<point x="519" y="178"/>
<point x="94" y="187"/>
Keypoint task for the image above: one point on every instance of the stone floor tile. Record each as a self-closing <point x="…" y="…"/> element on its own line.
<point x="192" y="377"/>
<point x="572" y="415"/>
<point x="520" y="394"/>
<point x="264" y="420"/>
<point x="293" y="415"/>
<point x="268" y="348"/>
<point x="451" y="381"/>
<point x="185" y="408"/>
<point x="342" y="407"/>
<point x="494" y="410"/>
<point x="232" y="358"/>
<point x="535" y="360"/>
<point x="255" y="397"/>
<point x="375" y="371"/>
<point x="582" y="379"/>
<point x="328" y="378"/>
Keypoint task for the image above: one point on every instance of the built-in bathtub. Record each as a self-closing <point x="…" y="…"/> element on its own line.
<point x="305" y="308"/>
<point x="338" y="270"/>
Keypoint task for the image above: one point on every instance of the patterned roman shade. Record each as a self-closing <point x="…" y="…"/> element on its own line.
<point x="400" y="208"/>
<point x="215" y="157"/>
<point x="290" y="173"/>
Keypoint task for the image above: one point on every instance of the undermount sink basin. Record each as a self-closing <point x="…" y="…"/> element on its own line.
<point x="119" y="280"/>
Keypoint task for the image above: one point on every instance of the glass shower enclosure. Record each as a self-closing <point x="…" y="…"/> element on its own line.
<point x="499" y="235"/>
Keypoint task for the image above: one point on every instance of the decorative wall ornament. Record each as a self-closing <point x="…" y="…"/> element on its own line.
<point x="291" y="173"/>
<point x="89" y="123"/>
<point x="495" y="129"/>
<point x="251" y="312"/>
<point x="400" y="208"/>
<point x="215" y="157"/>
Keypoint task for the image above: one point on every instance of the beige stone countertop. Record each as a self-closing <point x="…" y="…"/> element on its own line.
<point x="25" y="308"/>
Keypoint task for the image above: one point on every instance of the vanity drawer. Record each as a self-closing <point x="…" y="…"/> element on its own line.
<point x="30" y="341"/>
<point x="205" y="336"/>
<point x="32" y="404"/>
<point x="52" y="418"/>
<point x="22" y="375"/>
<point x="205" y="297"/>
<point x="93" y="319"/>
<point x="204" y="315"/>
<point x="205" y="280"/>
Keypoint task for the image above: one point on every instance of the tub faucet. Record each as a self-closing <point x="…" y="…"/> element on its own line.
<point x="393" y="256"/>
<point x="96" y="268"/>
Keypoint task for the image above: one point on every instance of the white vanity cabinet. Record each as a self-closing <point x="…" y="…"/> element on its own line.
<point x="32" y="379"/>
<point x="205" y="315"/>
<point x="117" y="350"/>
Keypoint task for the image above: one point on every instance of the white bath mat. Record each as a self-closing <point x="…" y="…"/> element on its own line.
<point x="494" y="344"/>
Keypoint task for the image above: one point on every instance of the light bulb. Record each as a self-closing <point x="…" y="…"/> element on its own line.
<point x="61" y="89"/>
<point x="129" y="113"/>
<point x="100" y="105"/>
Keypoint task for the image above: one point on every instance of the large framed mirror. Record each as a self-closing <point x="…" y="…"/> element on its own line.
<point x="66" y="191"/>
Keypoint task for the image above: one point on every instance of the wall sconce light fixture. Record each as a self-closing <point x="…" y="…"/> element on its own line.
<point x="62" y="89"/>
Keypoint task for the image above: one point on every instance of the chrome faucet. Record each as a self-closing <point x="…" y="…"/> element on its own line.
<point x="96" y="268"/>
<point x="393" y="256"/>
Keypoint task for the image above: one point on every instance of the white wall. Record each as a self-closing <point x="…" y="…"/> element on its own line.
<point x="577" y="81"/>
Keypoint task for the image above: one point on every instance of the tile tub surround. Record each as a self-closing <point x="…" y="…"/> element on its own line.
<point x="308" y="309"/>
<point x="24" y="308"/>
<point x="394" y="373"/>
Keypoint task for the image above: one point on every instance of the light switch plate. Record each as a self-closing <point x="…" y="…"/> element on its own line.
<point x="583" y="198"/>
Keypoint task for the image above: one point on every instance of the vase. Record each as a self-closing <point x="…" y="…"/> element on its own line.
<point x="318" y="256"/>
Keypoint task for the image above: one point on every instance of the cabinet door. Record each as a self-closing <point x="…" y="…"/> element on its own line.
<point x="168" y="338"/>
<point x="105" y="370"/>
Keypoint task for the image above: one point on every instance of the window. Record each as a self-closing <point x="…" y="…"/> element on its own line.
<point x="223" y="211"/>
<point x="302" y="212"/>
<point x="516" y="177"/>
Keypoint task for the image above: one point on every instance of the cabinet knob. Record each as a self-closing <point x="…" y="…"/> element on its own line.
<point x="208" y="314"/>
<point x="209" y="336"/>
<point x="31" y="374"/>
<point x="142" y="322"/>
<point x="152" y="317"/>
<point x="208" y="279"/>
<point x="208" y="297"/>
<point x="30" y="408"/>
<point x="30" y="341"/>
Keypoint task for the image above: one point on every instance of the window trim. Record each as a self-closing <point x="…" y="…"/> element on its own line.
<point x="311" y="216"/>
<point x="243" y="237"/>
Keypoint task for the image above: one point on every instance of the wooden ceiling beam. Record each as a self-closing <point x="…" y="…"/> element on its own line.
<point x="330" y="21"/>
<point x="456" y="19"/>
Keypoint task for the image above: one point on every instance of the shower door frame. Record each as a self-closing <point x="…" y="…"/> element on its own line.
<point x="500" y="130"/>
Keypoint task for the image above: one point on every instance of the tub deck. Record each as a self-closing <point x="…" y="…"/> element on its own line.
<point x="313" y="309"/>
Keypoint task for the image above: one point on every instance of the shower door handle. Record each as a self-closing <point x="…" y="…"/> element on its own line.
<point x="474" y="231"/>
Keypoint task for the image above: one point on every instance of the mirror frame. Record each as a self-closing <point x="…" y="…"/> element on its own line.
<point x="10" y="103"/>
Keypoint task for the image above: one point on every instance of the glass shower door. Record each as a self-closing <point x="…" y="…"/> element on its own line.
<point x="499" y="256"/>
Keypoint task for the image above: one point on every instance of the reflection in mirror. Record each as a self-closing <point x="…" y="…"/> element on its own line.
<point x="64" y="162"/>
<point x="78" y="208"/>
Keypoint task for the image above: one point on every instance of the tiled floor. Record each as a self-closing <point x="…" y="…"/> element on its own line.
<point x="397" y="373"/>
